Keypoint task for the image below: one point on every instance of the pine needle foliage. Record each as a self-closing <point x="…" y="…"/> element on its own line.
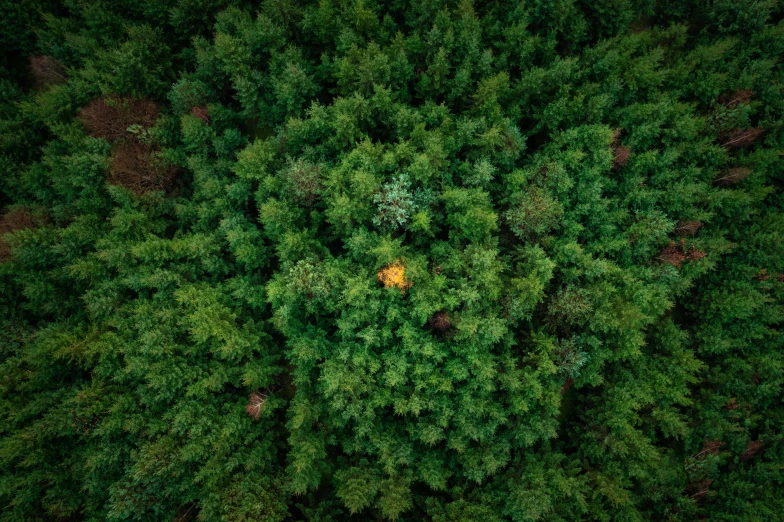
<point x="329" y="260"/>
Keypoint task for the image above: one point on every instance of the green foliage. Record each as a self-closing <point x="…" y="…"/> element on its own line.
<point x="140" y="66"/>
<point x="534" y="214"/>
<point x="395" y="203"/>
<point x="446" y="261"/>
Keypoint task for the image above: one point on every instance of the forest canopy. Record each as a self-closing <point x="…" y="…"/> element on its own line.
<point x="348" y="260"/>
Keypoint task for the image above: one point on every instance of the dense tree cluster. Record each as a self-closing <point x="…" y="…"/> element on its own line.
<point x="407" y="260"/>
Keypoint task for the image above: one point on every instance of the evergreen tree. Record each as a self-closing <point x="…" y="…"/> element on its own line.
<point x="447" y="261"/>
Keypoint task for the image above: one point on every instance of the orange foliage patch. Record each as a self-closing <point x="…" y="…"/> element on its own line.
<point x="394" y="275"/>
